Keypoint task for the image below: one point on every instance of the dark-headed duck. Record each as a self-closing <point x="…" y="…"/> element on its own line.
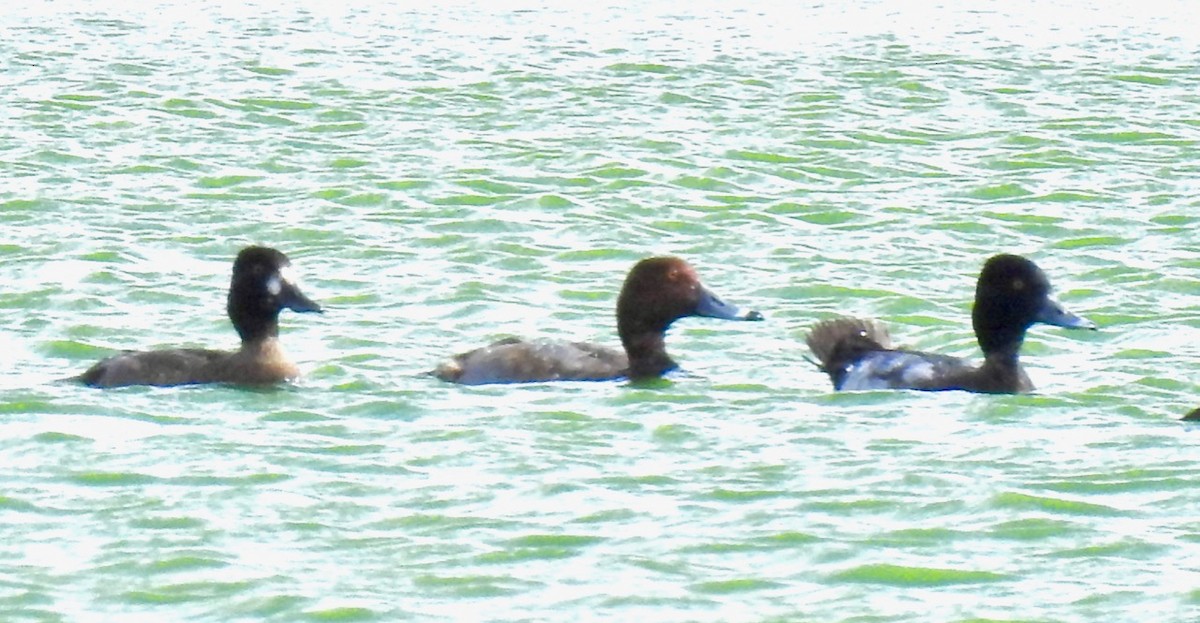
<point x="261" y="287"/>
<point x="1012" y="294"/>
<point x="657" y="292"/>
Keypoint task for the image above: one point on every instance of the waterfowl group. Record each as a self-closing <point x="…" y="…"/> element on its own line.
<point x="1012" y="294"/>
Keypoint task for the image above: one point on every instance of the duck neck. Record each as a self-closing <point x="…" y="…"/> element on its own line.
<point x="255" y="328"/>
<point x="264" y="345"/>
<point x="1006" y="349"/>
<point x="1004" y="370"/>
<point x="646" y="349"/>
<point x="999" y="334"/>
<point x="1004" y="358"/>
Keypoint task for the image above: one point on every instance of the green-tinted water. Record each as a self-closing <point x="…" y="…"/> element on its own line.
<point x="445" y="176"/>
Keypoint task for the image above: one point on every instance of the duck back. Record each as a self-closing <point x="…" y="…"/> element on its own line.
<point x="515" y="360"/>
<point x="178" y="366"/>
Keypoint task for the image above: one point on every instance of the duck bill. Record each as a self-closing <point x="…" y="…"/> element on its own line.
<point x="295" y="300"/>
<point x="1053" y="313"/>
<point x="711" y="306"/>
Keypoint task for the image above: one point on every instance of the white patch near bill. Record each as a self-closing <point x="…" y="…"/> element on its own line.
<point x="285" y="275"/>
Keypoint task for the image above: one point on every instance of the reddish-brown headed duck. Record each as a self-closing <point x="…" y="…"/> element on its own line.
<point x="657" y="292"/>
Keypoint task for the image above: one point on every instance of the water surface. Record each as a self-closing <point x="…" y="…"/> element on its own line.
<point x="448" y="175"/>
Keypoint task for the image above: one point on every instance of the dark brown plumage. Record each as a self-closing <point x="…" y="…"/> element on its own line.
<point x="259" y="289"/>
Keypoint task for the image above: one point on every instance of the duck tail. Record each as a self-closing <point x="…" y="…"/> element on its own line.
<point x="831" y="340"/>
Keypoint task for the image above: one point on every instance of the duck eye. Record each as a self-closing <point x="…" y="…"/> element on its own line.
<point x="673" y="274"/>
<point x="1018" y="284"/>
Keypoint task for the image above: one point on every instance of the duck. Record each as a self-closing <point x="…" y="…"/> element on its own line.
<point x="1011" y="295"/>
<point x="656" y="292"/>
<point x="262" y="285"/>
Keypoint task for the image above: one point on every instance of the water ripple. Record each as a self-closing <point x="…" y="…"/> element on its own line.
<point x="445" y="176"/>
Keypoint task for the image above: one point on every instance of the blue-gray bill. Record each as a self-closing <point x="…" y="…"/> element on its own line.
<point x="1053" y="313"/>
<point x="711" y="306"/>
